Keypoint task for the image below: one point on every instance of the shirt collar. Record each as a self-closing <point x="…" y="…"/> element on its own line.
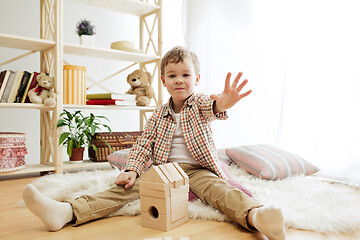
<point x="168" y="106"/>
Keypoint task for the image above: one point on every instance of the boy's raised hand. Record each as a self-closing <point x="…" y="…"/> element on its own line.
<point x="231" y="94"/>
<point x="126" y="178"/>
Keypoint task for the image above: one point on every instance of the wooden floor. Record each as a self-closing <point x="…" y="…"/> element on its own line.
<point x="19" y="223"/>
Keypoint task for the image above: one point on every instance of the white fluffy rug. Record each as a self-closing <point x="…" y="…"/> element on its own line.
<point x="307" y="203"/>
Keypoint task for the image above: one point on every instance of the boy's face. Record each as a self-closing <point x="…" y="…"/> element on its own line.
<point x="180" y="80"/>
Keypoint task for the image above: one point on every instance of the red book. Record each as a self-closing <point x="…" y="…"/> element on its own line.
<point x="110" y="102"/>
<point x="31" y="84"/>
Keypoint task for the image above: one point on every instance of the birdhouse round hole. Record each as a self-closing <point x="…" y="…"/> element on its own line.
<point x="154" y="212"/>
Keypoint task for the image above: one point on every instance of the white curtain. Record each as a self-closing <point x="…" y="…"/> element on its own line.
<point x="302" y="59"/>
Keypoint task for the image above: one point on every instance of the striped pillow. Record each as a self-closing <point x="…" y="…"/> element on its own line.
<point x="269" y="162"/>
<point x="118" y="159"/>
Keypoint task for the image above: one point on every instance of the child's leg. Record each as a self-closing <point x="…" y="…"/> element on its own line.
<point x="89" y="207"/>
<point x="56" y="214"/>
<point x="52" y="213"/>
<point x="269" y="221"/>
<point x="234" y="203"/>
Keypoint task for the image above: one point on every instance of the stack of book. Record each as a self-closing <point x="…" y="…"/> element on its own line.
<point x="14" y="86"/>
<point x="111" y="99"/>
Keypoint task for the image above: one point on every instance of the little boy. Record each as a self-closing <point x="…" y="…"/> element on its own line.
<point x="178" y="131"/>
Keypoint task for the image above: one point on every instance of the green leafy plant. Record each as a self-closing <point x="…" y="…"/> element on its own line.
<point x="80" y="130"/>
<point x="84" y="27"/>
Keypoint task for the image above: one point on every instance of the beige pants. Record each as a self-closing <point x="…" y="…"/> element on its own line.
<point x="205" y="184"/>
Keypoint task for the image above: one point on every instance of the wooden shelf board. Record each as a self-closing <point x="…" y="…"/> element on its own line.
<point x="33" y="168"/>
<point x="69" y="106"/>
<point x="25" y="105"/>
<point x="85" y="164"/>
<point x="25" y="43"/>
<point x="150" y="108"/>
<point x="133" y="7"/>
<point x="103" y="53"/>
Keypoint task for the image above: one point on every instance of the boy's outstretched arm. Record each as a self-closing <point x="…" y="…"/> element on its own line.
<point x="231" y="94"/>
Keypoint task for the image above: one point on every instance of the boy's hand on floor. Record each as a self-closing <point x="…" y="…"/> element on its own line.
<point x="126" y="178"/>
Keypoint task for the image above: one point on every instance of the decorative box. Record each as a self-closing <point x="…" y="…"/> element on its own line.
<point x="117" y="141"/>
<point x="12" y="151"/>
<point x="74" y="84"/>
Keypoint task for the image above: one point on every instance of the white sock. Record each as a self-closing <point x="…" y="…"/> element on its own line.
<point x="52" y="213"/>
<point x="270" y="222"/>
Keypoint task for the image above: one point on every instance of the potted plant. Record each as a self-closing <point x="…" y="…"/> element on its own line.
<point x="85" y="30"/>
<point x="79" y="132"/>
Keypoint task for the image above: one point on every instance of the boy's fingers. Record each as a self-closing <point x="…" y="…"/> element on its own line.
<point x="130" y="183"/>
<point x="245" y="94"/>
<point x="227" y="80"/>
<point x="236" y="80"/>
<point x="242" y="85"/>
<point x="122" y="179"/>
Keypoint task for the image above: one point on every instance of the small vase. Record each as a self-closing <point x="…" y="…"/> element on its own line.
<point x="77" y="155"/>
<point x="87" y="40"/>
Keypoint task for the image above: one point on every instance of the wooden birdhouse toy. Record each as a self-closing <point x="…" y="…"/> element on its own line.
<point x="164" y="197"/>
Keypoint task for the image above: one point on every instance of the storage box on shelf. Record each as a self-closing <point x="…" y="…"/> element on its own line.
<point x="52" y="49"/>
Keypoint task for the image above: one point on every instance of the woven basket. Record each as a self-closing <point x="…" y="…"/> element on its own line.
<point x="12" y="151"/>
<point x="117" y="140"/>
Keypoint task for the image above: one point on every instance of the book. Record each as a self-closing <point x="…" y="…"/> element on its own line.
<point x="4" y="76"/>
<point x="111" y="102"/>
<point x="15" y="86"/>
<point x="23" y="84"/>
<point x="111" y="96"/>
<point x="31" y="84"/>
<point x="8" y="86"/>
<point x="27" y="88"/>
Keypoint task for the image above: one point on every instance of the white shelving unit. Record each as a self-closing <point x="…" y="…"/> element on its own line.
<point x="52" y="49"/>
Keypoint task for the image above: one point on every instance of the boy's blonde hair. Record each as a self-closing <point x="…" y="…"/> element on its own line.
<point x="177" y="55"/>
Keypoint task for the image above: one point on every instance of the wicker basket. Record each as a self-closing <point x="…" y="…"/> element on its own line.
<point x="12" y="151"/>
<point x="117" y="140"/>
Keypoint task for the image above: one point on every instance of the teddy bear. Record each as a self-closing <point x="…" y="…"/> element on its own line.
<point x="43" y="92"/>
<point x="140" y="82"/>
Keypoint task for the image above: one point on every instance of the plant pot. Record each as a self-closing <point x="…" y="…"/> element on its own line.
<point x="87" y="40"/>
<point x="77" y="155"/>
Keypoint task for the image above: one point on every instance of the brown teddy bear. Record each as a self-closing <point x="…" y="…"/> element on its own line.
<point x="140" y="83"/>
<point x="44" y="91"/>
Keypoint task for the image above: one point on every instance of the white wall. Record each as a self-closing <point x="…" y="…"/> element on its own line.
<point x="110" y="26"/>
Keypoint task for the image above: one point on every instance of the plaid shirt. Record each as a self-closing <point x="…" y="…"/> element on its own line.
<point x="155" y="143"/>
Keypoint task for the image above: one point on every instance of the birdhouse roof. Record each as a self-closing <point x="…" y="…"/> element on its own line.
<point x="167" y="173"/>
